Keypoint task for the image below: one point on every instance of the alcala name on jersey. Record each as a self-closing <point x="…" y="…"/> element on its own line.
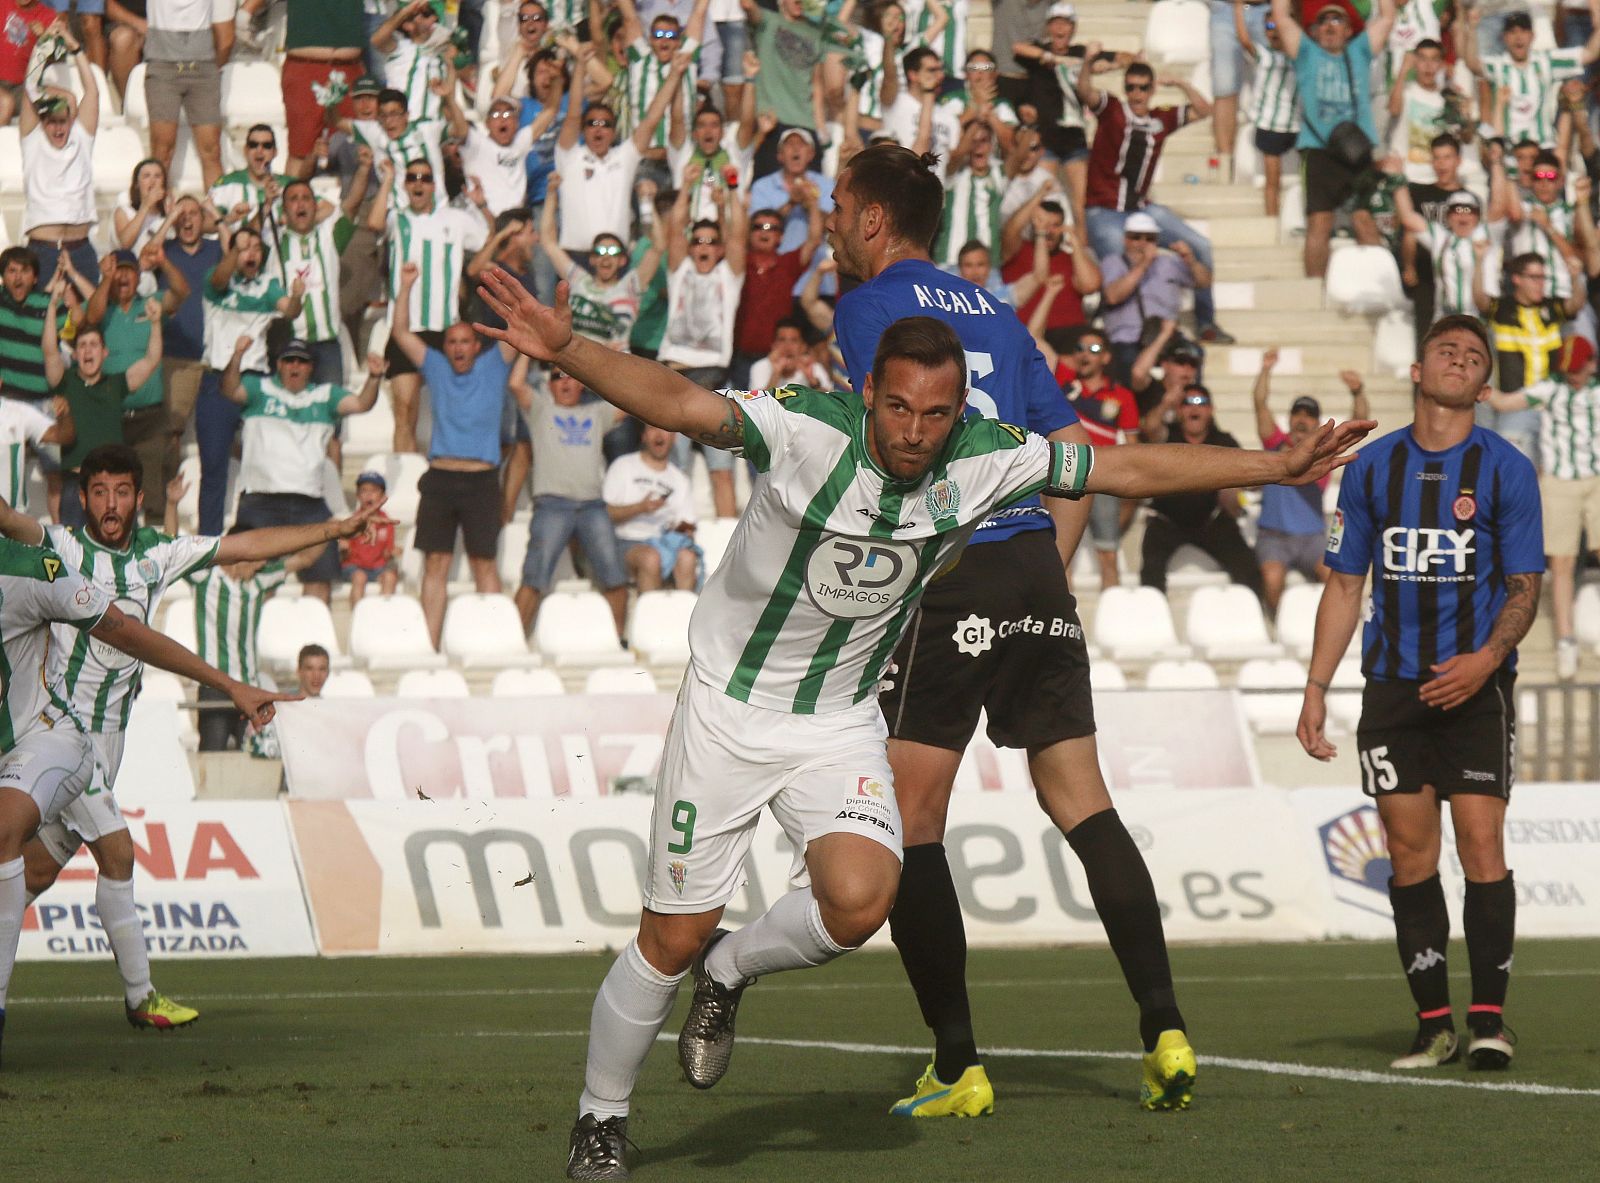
<point x="932" y="297"/>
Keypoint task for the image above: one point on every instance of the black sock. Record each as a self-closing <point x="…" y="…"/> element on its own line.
<point x="1422" y="932"/>
<point x="1490" y="918"/>
<point x="1123" y="894"/>
<point x="927" y="929"/>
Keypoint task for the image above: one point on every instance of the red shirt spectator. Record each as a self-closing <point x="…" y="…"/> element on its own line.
<point x="1067" y="311"/>
<point x="1122" y="161"/>
<point x="373" y="550"/>
<point x="769" y="281"/>
<point x="1104" y="410"/>
<point x="21" y="22"/>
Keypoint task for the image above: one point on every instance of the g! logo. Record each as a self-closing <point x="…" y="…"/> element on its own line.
<point x="855" y="578"/>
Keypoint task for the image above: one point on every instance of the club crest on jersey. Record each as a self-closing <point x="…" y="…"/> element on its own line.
<point x="679" y="872"/>
<point x="148" y="570"/>
<point x="1465" y="508"/>
<point x="943" y="498"/>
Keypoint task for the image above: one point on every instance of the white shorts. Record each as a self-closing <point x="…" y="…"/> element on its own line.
<point x="94" y="814"/>
<point x="724" y="760"/>
<point x="51" y="766"/>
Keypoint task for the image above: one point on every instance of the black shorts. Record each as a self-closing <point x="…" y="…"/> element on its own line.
<point x="258" y="511"/>
<point x="998" y="634"/>
<point x="1328" y="183"/>
<point x="469" y="500"/>
<point x="1274" y="143"/>
<point x="399" y="363"/>
<point x="1404" y="744"/>
<point x="1064" y="143"/>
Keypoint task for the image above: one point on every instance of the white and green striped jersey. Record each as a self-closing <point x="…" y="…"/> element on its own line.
<point x="1415" y="21"/>
<point x="831" y="556"/>
<point x="21" y="424"/>
<point x="240" y="187"/>
<point x="951" y="44"/>
<point x="1525" y="237"/>
<point x="314" y="258"/>
<point x="646" y="73"/>
<point x="286" y="435"/>
<point x="1569" y="430"/>
<point x="439" y="244"/>
<point x="101" y="681"/>
<point x="567" y="14"/>
<point x="37" y="590"/>
<point x="419" y="141"/>
<point x="869" y="83"/>
<point x="1275" y="104"/>
<point x="226" y="613"/>
<point x="1533" y="86"/>
<point x="243" y="310"/>
<point x="411" y="68"/>
<point x="971" y="211"/>
<point x="1453" y="264"/>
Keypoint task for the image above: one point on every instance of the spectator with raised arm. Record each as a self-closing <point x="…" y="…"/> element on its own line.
<point x="413" y="60"/>
<point x="1524" y="81"/>
<point x="58" y="133"/>
<point x="605" y="295"/>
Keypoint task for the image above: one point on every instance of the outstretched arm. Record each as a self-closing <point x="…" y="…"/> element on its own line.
<point x="660" y="396"/>
<point x="1289" y="30"/>
<point x="277" y="542"/>
<point x="1155" y="470"/>
<point x="136" y="640"/>
<point x="19" y="527"/>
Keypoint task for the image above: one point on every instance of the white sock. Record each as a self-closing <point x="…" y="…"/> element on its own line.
<point x="113" y="900"/>
<point x="789" y="936"/>
<point x="634" y="1001"/>
<point x="13" y="899"/>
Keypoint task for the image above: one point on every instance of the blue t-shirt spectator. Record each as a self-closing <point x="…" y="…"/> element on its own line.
<point x="467" y="408"/>
<point x="541" y="160"/>
<point x="183" y="334"/>
<point x="1323" y="81"/>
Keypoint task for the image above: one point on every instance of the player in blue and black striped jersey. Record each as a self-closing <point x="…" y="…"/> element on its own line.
<point x="1447" y="516"/>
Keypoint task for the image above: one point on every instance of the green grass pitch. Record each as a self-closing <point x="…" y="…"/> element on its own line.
<point x="469" y="1068"/>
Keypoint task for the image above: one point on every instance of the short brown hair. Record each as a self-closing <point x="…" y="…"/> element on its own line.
<point x="1449" y="324"/>
<point x="928" y="342"/>
<point x="905" y="185"/>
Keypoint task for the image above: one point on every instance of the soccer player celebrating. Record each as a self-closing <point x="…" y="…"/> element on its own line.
<point x="48" y="760"/>
<point x="133" y="565"/>
<point x="1034" y="688"/>
<point x="866" y="497"/>
<point x="1447" y="516"/>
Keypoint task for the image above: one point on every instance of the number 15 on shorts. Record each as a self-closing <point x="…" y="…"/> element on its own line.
<point x="1378" y="774"/>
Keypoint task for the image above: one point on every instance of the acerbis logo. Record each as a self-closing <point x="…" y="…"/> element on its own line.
<point x="853" y="579"/>
<point x="974" y="635"/>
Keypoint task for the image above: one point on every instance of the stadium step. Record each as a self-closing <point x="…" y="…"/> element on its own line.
<point x="1260" y="262"/>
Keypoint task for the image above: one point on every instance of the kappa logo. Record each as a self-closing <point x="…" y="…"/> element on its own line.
<point x="974" y="635"/>
<point x="1425" y="961"/>
<point x="943" y="498"/>
<point x="678" y="870"/>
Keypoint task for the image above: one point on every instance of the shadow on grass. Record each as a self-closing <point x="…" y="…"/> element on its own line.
<point x="831" y="1122"/>
<point x="1387" y="1042"/>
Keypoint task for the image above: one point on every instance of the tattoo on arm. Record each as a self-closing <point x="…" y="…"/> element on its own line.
<point x="1516" y="614"/>
<point x="729" y="434"/>
<point x="109" y="623"/>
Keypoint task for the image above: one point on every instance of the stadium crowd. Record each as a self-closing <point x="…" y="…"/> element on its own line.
<point x="672" y="161"/>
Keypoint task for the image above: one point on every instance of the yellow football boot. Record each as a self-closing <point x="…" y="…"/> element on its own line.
<point x="971" y="1096"/>
<point x="1169" y="1073"/>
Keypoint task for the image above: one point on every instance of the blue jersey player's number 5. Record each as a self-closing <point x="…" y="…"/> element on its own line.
<point x="980" y="366"/>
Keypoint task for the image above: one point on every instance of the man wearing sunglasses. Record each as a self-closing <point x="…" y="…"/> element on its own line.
<point x="1142" y="285"/>
<point x="1543" y="222"/>
<point x="1127" y="146"/>
<point x="769" y="281"/>
<point x="599" y="171"/>
<point x="1450" y="246"/>
<point x="649" y="64"/>
<point x="255" y="186"/>
<point x="1328" y="62"/>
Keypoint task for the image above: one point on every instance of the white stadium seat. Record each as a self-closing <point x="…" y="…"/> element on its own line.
<point x="1364" y="280"/>
<point x="117" y="152"/>
<point x="659" y="629"/>
<point x="577" y="628"/>
<point x="1181" y="675"/>
<point x="178" y="623"/>
<point x="485" y="632"/>
<point x="134" y="109"/>
<point x="432" y="684"/>
<point x="389" y="632"/>
<point x="1282" y="683"/>
<point x="1297" y="618"/>
<point x="252" y="92"/>
<point x="164" y="687"/>
<point x="1135" y="623"/>
<point x="1586" y="615"/>
<point x="1394" y="343"/>
<point x="348" y="684"/>
<point x="1226" y="624"/>
<point x="401" y="471"/>
<point x="287" y="623"/>
<point x="10" y="158"/>
<point x="538" y="683"/>
<point x="513" y="550"/>
<point x="371" y="431"/>
<point x="619" y="680"/>
<point x="1105" y="676"/>
<point x="1178" y="32"/>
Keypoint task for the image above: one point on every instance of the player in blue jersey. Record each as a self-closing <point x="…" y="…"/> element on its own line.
<point x="958" y="657"/>
<point x="1446" y="514"/>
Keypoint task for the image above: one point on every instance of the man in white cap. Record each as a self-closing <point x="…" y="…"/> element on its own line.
<point x="1451" y="245"/>
<point x="785" y="191"/>
<point x="1143" y="285"/>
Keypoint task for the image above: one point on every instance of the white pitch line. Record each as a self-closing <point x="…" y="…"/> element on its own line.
<point x="777" y="984"/>
<point x="1270" y="1067"/>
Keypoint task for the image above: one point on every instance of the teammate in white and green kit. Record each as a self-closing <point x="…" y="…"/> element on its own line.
<point x="46" y="760"/>
<point x="863" y="499"/>
<point x="97" y="683"/>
